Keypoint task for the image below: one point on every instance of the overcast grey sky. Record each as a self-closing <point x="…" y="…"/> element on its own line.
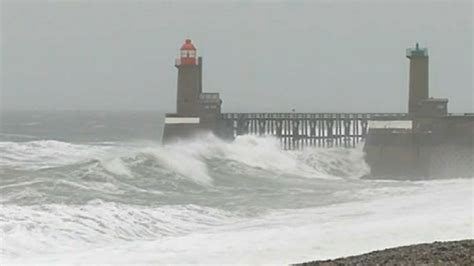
<point x="315" y="56"/>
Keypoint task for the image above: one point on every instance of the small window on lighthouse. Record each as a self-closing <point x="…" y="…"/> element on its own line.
<point x="192" y="53"/>
<point x="184" y="53"/>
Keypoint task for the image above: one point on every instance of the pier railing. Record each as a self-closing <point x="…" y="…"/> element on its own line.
<point x="298" y="130"/>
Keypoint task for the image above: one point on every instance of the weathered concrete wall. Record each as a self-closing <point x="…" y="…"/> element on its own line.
<point x="177" y="132"/>
<point x="392" y="154"/>
<point x="435" y="148"/>
<point x="450" y="161"/>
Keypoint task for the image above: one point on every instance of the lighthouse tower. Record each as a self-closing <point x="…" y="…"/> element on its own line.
<point x="196" y="111"/>
<point x="420" y="104"/>
<point x="189" y="80"/>
<point x="418" y="84"/>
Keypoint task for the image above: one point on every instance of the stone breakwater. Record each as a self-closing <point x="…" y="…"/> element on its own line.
<point x="438" y="253"/>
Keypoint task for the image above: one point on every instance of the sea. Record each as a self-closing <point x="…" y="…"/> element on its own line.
<point x="81" y="188"/>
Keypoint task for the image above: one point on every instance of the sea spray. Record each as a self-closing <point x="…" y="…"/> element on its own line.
<point x="210" y="201"/>
<point x="188" y="158"/>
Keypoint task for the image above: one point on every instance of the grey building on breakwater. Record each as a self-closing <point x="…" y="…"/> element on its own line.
<point x="426" y="141"/>
<point x="429" y="141"/>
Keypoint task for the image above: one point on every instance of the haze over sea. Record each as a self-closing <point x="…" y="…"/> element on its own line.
<point x="98" y="187"/>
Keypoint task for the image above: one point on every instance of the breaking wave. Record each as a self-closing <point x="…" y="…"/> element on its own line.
<point x="205" y="200"/>
<point x="194" y="160"/>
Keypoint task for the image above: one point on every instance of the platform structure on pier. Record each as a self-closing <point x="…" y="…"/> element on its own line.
<point x="299" y="130"/>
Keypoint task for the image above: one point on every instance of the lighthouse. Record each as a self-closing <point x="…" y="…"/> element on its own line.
<point x="418" y="79"/>
<point x="420" y="104"/>
<point x="196" y="111"/>
<point x="189" y="79"/>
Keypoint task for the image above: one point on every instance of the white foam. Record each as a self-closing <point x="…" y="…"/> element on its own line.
<point x="116" y="166"/>
<point x="429" y="211"/>
<point x="33" y="230"/>
<point x="189" y="159"/>
<point x="336" y="162"/>
<point x="433" y="212"/>
<point x="264" y="153"/>
<point x="183" y="160"/>
<point x="45" y="154"/>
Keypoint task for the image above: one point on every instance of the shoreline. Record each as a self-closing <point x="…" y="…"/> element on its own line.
<point x="458" y="252"/>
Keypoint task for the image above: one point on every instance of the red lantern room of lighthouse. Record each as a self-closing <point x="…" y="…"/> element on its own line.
<point x="188" y="53"/>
